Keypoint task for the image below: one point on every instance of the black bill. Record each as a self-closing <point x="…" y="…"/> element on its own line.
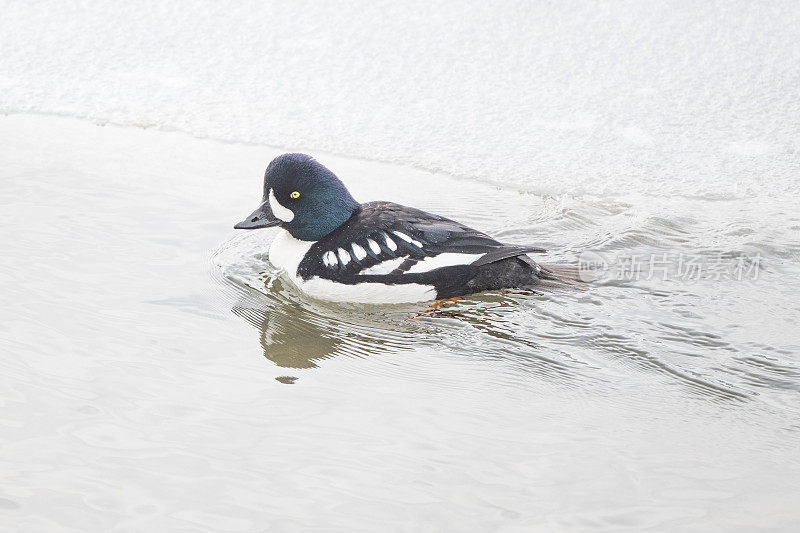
<point x="262" y="217"/>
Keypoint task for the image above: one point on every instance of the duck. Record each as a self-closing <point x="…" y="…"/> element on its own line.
<point x="334" y="248"/>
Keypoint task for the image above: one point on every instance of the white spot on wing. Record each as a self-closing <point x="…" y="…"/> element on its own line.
<point x="344" y="257"/>
<point x="329" y="258"/>
<point x="358" y="251"/>
<point x="389" y="242"/>
<point x="287" y="215"/>
<point x="443" y="260"/>
<point x="408" y="238"/>
<point x="374" y="246"/>
<point x="383" y="268"/>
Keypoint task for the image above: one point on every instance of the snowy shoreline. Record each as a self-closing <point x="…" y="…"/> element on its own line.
<point x="553" y="98"/>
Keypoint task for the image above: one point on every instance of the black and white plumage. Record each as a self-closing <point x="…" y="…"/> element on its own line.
<point x="383" y="242"/>
<point x="378" y="252"/>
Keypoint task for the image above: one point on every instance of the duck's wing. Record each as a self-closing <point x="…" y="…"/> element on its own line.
<point x="384" y="238"/>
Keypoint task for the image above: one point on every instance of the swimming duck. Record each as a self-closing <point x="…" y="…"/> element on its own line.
<point x="335" y="248"/>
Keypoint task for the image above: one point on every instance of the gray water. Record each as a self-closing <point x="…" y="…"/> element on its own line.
<point x="157" y="374"/>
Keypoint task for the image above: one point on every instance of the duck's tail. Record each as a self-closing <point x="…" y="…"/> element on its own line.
<point x="562" y="275"/>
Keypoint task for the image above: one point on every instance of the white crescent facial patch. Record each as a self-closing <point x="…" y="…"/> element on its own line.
<point x="283" y="213"/>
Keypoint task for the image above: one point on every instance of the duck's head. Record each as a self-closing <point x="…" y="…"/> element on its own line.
<point x="303" y="197"/>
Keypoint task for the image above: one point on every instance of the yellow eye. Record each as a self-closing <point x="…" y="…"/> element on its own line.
<point x="295" y="195"/>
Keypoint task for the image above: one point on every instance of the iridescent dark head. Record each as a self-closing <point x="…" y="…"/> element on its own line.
<point x="303" y="197"/>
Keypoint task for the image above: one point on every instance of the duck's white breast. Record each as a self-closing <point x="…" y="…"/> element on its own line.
<point x="286" y="253"/>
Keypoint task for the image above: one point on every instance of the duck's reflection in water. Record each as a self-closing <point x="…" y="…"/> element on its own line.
<point x="297" y="333"/>
<point x="287" y="340"/>
<point x="509" y="330"/>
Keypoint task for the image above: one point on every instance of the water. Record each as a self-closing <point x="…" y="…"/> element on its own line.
<point x="157" y="374"/>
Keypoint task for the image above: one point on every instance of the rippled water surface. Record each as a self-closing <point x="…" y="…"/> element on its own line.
<point x="157" y="374"/>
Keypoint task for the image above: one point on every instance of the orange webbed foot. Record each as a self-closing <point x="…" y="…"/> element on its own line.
<point x="432" y="308"/>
